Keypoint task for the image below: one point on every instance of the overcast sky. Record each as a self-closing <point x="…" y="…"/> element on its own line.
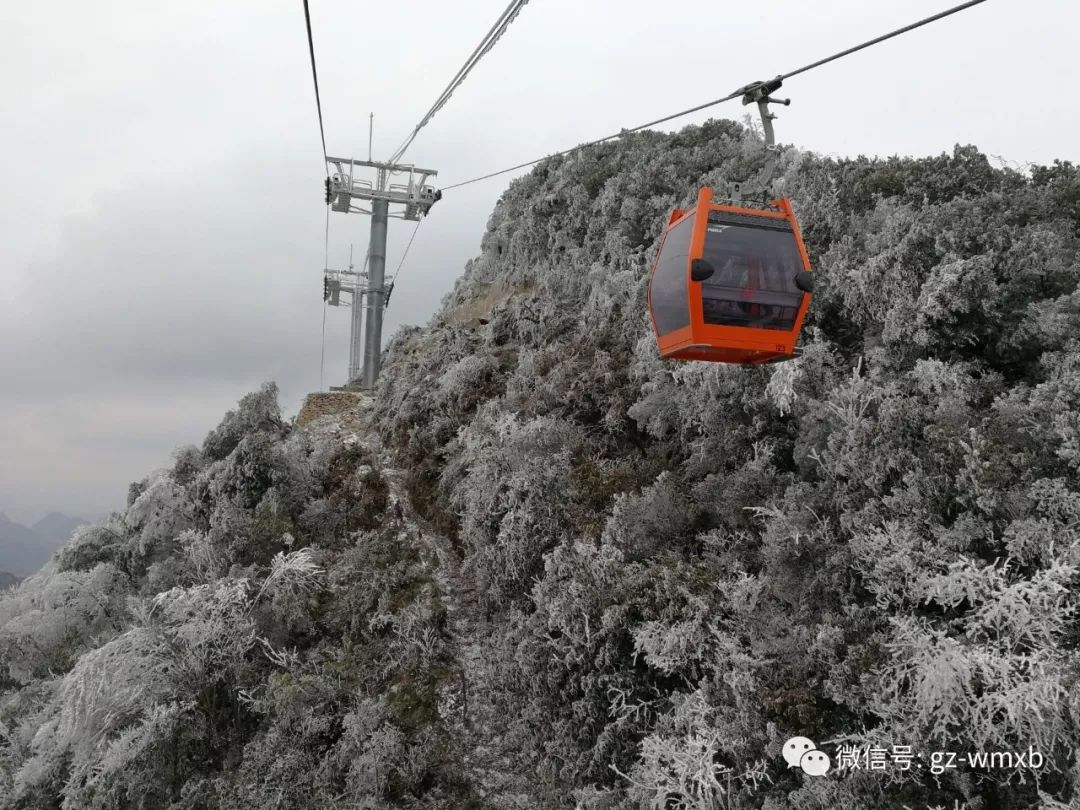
<point x="162" y="221"/>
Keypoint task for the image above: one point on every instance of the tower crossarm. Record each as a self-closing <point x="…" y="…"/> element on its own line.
<point x="416" y="194"/>
<point x="348" y="282"/>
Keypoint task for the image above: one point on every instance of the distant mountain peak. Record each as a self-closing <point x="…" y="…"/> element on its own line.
<point x="57" y="520"/>
<point x="24" y="549"/>
<point x="55" y="529"/>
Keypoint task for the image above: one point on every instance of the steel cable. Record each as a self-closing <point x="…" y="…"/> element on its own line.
<point x="315" y="77"/>
<point x="405" y="254"/>
<point x="497" y="30"/>
<point x="728" y="97"/>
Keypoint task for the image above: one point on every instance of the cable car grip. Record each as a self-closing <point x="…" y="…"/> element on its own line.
<point x="759" y="93"/>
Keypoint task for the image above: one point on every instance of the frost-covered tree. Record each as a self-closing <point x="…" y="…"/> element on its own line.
<point x="549" y="569"/>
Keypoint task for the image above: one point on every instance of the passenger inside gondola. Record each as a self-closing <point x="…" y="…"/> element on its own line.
<point x="753" y="283"/>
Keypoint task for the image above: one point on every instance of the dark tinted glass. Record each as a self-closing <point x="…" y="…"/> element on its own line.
<point x="756" y="260"/>
<point x="669" y="294"/>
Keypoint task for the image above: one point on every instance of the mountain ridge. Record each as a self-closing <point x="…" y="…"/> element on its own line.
<point x="543" y="568"/>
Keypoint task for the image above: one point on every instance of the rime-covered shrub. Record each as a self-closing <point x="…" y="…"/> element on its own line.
<point x="91" y="545"/>
<point x="53" y="616"/>
<point x="591" y="578"/>
<point x="512" y="487"/>
<point x="790" y="540"/>
<point x="258" y="412"/>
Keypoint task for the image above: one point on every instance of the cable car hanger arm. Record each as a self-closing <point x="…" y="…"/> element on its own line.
<point x="758" y="93"/>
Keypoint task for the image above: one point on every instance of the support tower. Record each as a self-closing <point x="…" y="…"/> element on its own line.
<point x="346" y="193"/>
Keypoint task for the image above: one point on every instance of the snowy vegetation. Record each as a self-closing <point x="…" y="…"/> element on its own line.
<point x="629" y="581"/>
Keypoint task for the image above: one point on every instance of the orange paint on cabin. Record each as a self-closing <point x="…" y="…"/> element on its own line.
<point x="747" y="309"/>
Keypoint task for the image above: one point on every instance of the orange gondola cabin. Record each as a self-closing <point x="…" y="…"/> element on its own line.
<point x="730" y="284"/>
